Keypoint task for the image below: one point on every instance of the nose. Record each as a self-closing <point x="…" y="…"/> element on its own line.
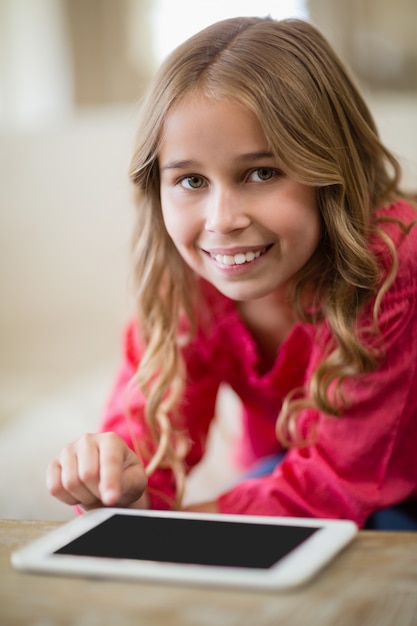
<point x="226" y="212"/>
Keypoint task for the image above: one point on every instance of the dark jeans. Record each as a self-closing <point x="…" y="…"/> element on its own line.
<point x="400" y="517"/>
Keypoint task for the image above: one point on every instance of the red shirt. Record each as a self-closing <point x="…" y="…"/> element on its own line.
<point x="362" y="462"/>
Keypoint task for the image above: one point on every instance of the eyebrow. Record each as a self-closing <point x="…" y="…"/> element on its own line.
<point x="242" y="158"/>
<point x="179" y="165"/>
<point x="255" y="156"/>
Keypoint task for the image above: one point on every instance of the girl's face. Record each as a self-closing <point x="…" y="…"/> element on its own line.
<point x="235" y="217"/>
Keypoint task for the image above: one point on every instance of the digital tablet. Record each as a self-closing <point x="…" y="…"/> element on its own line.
<point x="189" y="548"/>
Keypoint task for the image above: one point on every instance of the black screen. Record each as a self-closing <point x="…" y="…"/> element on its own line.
<point x="201" y="542"/>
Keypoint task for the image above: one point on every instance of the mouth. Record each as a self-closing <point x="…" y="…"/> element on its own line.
<point x="237" y="258"/>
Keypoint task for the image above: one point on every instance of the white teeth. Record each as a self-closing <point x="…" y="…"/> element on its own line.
<point x="237" y="259"/>
<point x="240" y="258"/>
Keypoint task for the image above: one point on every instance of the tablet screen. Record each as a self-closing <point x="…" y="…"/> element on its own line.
<point x="194" y="541"/>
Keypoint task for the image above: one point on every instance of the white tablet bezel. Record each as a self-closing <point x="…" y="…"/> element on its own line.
<point x="294" y="569"/>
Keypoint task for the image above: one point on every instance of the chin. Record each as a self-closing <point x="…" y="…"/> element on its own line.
<point x="242" y="295"/>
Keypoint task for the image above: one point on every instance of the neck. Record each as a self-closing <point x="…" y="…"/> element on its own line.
<point x="270" y="320"/>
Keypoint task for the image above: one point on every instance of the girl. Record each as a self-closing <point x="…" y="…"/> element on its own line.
<point x="273" y="252"/>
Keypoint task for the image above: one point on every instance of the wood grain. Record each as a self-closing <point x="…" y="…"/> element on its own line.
<point x="373" y="582"/>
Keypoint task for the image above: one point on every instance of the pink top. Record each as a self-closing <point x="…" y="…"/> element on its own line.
<point x="362" y="462"/>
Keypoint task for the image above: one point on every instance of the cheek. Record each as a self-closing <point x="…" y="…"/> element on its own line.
<point x="170" y="224"/>
<point x="308" y="216"/>
<point x="302" y="230"/>
<point x="178" y="224"/>
<point x="297" y="225"/>
<point x="171" y="217"/>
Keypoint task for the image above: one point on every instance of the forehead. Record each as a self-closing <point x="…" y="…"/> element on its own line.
<point x="201" y="119"/>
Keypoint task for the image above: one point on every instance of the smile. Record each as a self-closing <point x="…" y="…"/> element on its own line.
<point x="238" y="259"/>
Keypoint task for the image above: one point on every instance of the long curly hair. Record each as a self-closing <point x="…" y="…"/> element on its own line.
<point x="321" y="131"/>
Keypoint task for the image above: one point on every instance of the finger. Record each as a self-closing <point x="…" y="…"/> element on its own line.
<point x="55" y="486"/>
<point x="123" y="478"/>
<point x="71" y="480"/>
<point x="111" y="459"/>
<point x="89" y="464"/>
<point x="134" y="479"/>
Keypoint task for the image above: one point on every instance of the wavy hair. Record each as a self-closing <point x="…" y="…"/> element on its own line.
<point x="321" y="131"/>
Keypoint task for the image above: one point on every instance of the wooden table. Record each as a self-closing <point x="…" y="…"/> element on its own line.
<point x="373" y="582"/>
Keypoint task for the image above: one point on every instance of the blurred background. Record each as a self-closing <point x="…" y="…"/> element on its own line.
<point x="71" y="75"/>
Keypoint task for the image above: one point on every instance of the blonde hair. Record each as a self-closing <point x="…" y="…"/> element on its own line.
<point x="323" y="134"/>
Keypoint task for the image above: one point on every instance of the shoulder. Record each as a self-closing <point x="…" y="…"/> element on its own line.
<point x="398" y="221"/>
<point x="132" y="344"/>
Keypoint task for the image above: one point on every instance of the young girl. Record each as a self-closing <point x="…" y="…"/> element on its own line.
<point x="274" y="253"/>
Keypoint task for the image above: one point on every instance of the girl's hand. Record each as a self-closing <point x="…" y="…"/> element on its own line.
<point x="98" y="470"/>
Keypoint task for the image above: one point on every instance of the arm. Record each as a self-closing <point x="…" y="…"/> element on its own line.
<point x="362" y="461"/>
<point x="124" y="414"/>
<point x="104" y="469"/>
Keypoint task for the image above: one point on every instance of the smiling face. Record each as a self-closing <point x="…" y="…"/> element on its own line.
<point x="235" y="217"/>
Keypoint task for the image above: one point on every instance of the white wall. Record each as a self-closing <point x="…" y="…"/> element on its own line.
<point x="35" y="65"/>
<point x="65" y="222"/>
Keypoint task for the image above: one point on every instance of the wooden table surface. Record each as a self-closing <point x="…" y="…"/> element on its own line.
<point x="373" y="582"/>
